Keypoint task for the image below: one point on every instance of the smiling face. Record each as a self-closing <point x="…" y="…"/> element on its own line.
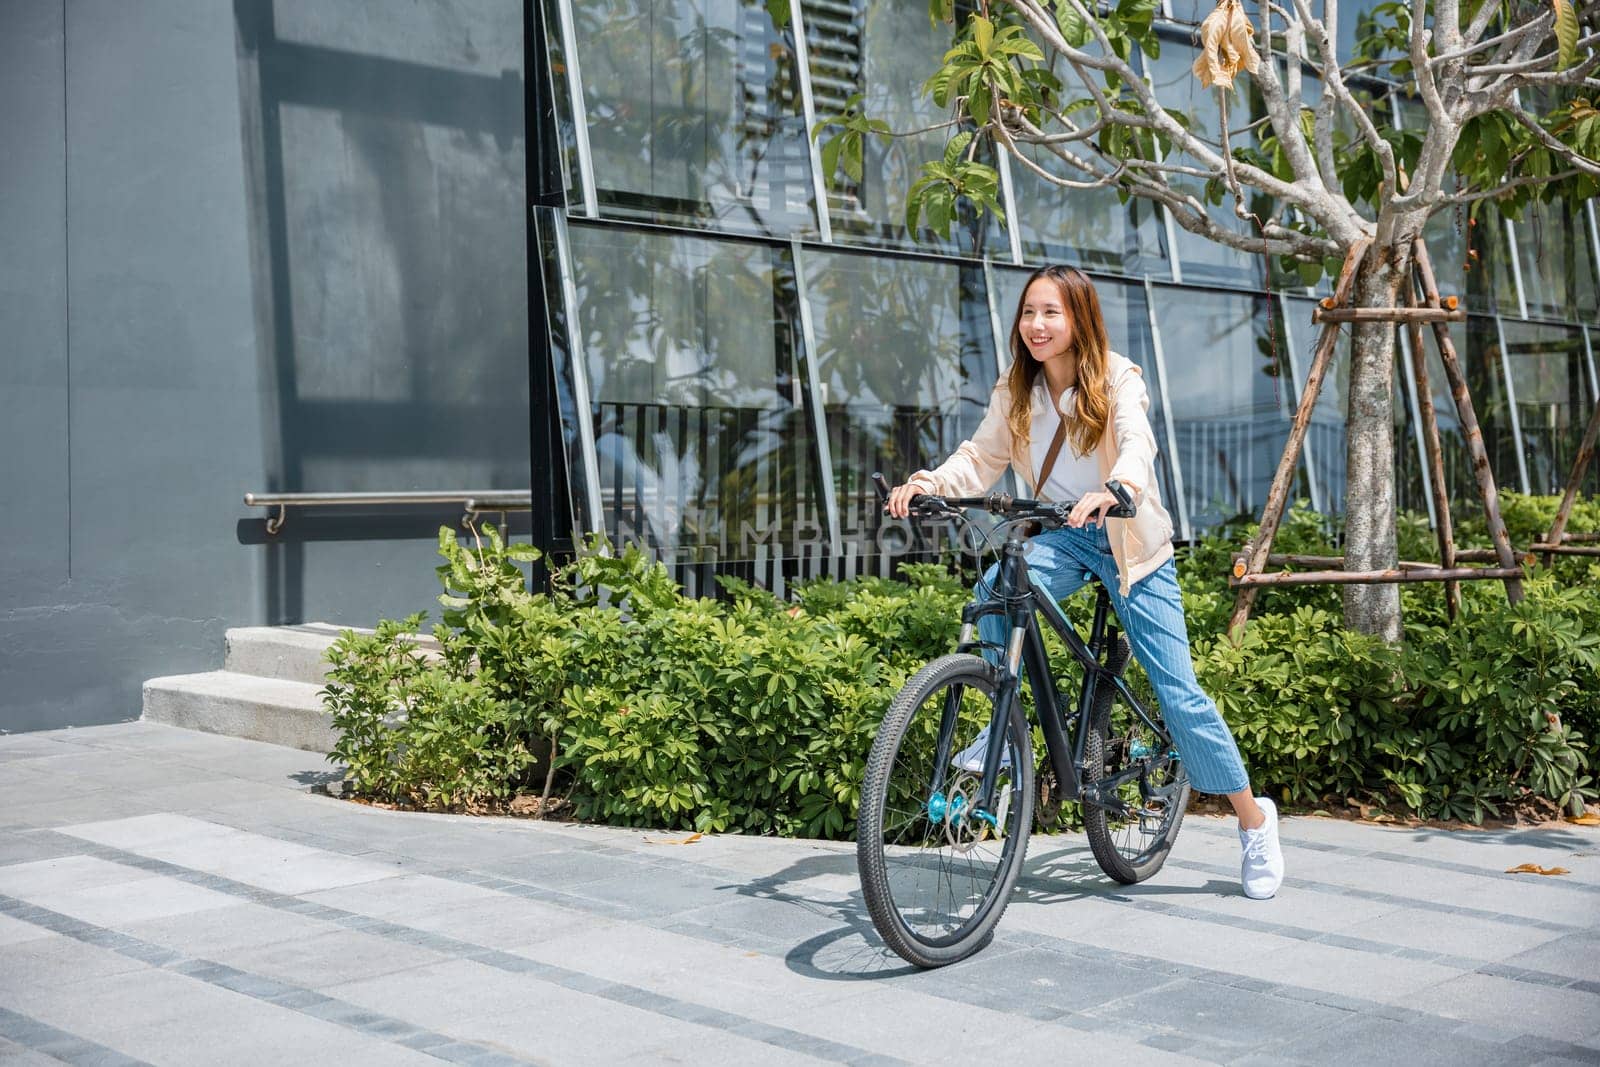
<point x="1043" y="323"/>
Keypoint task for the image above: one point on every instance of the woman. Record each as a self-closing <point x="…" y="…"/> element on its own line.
<point x="1066" y="387"/>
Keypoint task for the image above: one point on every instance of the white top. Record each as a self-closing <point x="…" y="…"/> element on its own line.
<point x="1073" y="476"/>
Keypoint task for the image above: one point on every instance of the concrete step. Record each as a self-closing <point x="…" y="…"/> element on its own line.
<point x="291" y="653"/>
<point x="275" y="710"/>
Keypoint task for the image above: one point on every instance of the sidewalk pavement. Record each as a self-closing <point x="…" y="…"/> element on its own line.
<point x="172" y="897"/>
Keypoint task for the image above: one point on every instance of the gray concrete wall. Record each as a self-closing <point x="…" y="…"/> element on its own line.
<point x="258" y="246"/>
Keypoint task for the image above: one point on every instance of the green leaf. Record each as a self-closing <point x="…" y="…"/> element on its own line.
<point x="1073" y="27"/>
<point x="778" y="11"/>
<point x="983" y="34"/>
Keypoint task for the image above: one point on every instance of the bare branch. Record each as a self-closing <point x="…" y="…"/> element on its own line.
<point x="1422" y="70"/>
<point x="1155" y="116"/>
<point x="1509" y="37"/>
<point x="1452" y="199"/>
<point x="1333" y="82"/>
<point x="1283" y="112"/>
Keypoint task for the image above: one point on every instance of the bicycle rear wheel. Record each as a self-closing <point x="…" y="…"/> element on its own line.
<point x="936" y="876"/>
<point x="1146" y="786"/>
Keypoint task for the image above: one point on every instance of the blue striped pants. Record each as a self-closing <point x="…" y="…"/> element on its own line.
<point x="1152" y="617"/>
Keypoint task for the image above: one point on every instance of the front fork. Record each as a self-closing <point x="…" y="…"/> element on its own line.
<point x="1025" y="646"/>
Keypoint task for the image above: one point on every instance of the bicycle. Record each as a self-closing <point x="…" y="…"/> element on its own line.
<point x="927" y="828"/>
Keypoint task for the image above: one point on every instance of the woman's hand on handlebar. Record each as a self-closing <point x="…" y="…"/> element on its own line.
<point x="1091" y="508"/>
<point x="899" y="503"/>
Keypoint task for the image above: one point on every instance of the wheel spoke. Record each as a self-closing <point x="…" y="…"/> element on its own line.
<point x="934" y="874"/>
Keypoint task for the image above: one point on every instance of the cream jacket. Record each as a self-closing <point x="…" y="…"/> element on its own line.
<point x="1127" y="453"/>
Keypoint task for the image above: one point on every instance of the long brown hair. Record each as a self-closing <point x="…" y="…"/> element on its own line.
<point x="1092" y="400"/>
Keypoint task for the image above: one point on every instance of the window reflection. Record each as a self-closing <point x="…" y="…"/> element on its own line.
<point x="905" y="357"/>
<point x="694" y="113"/>
<point x="1559" y="272"/>
<point x="1088" y="227"/>
<point x="1231" y="392"/>
<point x="881" y="48"/>
<point x="1553" y="398"/>
<point x="1201" y="259"/>
<point x="704" y="448"/>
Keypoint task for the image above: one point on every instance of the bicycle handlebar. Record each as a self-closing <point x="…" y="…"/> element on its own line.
<point x="926" y="504"/>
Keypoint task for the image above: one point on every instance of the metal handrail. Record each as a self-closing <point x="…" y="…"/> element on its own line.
<point x="473" y="502"/>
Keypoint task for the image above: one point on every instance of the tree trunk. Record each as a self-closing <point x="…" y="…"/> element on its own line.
<point x="1369" y="490"/>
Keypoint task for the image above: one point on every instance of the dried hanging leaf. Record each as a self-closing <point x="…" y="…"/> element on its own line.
<point x="1566" y="33"/>
<point x="1534" y="868"/>
<point x="1227" y="46"/>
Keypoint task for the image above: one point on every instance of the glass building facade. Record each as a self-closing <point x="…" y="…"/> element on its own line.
<point x="737" y="344"/>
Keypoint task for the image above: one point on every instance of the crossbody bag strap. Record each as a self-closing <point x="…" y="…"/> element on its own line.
<point x="1050" y="457"/>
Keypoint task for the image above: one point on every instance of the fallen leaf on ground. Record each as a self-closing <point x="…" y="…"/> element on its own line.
<point x="691" y="839"/>
<point x="1588" y="818"/>
<point x="1534" y="868"/>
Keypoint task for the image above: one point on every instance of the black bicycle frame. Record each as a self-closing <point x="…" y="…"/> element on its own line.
<point x="1014" y="597"/>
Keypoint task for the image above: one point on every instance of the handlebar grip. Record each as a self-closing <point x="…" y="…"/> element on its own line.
<point x="1124" y="508"/>
<point x="882" y="485"/>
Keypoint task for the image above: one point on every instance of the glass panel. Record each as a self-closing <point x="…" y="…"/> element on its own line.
<point x="694" y="114"/>
<point x="1088" y="228"/>
<point x="1477" y="345"/>
<point x="1553" y="398"/>
<point x="560" y="88"/>
<point x="1325" y="449"/>
<point x="1127" y="317"/>
<point x="1559" y="272"/>
<point x="705" y="448"/>
<point x="1231" y="396"/>
<point x="884" y="49"/>
<point x="1203" y="260"/>
<point x="905" y="355"/>
<point x="559" y="341"/>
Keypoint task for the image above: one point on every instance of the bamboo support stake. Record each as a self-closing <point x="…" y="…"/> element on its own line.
<point x="1469" y="428"/>
<point x="1389" y="577"/>
<point x="1278" y="494"/>
<point x="1444" y="526"/>
<point x="1295" y="559"/>
<point x="1399" y="314"/>
<point x="1580" y="466"/>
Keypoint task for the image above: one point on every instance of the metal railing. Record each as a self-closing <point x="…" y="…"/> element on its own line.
<point x="473" y="502"/>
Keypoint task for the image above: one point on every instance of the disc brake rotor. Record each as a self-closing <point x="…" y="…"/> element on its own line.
<point x="961" y="828"/>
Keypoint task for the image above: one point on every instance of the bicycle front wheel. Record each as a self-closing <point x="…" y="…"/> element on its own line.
<point x="936" y="871"/>
<point x="1143" y="787"/>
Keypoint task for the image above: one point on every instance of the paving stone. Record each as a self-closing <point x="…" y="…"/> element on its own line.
<point x="1237" y="1017"/>
<point x="54" y="961"/>
<point x="1561" y="1014"/>
<point x="1574" y="955"/>
<point x="1386" y="1041"/>
<point x="15" y="931"/>
<point x="328" y="959"/>
<point x="1343" y="971"/>
<point x="241" y="925"/>
<point x="492" y="941"/>
<point x="15" y="1055"/>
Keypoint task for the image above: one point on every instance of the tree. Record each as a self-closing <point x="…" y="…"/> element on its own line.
<point x="1319" y="163"/>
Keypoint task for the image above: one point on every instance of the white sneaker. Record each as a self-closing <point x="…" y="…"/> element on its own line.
<point x="1261" y="869"/>
<point x="970" y="759"/>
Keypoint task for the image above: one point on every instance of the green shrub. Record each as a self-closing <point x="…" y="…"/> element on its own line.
<point x="644" y="707"/>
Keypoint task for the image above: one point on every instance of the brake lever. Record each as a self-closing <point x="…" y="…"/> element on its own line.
<point x="1124" y="507"/>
